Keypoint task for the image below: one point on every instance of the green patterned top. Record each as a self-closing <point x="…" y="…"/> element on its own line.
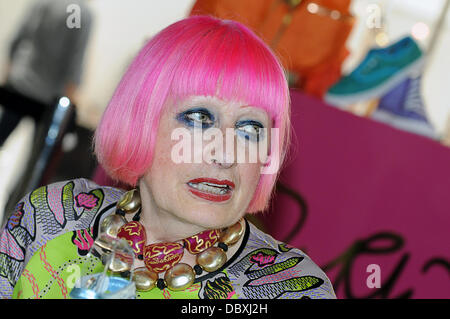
<point x="45" y="243"/>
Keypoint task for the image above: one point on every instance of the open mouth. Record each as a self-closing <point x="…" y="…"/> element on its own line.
<point x="211" y="189"/>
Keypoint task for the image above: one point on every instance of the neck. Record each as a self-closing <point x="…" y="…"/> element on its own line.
<point x="161" y="225"/>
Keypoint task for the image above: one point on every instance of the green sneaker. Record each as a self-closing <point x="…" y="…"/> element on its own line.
<point x="379" y="72"/>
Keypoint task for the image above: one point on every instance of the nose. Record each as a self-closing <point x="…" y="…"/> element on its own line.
<point x="222" y="164"/>
<point x="225" y="157"/>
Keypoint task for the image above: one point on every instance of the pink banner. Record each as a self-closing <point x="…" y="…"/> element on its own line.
<point x="368" y="203"/>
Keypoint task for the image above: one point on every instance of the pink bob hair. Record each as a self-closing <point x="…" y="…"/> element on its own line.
<point x="199" y="55"/>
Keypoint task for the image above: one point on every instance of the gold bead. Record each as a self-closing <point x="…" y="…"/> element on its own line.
<point x="119" y="265"/>
<point x="232" y="234"/>
<point x="105" y="242"/>
<point x="144" y="279"/>
<point x="118" y="249"/>
<point x="130" y="202"/>
<point x="212" y="259"/>
<point x="111" y="224"/>
<point x="179" y="277"/>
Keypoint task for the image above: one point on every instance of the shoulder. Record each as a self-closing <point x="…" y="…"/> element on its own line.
<point x="267" y="269"/>
<point x="46" y="213"/>
<point x="66" y="205"/>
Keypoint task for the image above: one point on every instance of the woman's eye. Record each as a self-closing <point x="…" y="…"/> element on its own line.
<point x="250" y="130"/>
<point x="197" y="118"/>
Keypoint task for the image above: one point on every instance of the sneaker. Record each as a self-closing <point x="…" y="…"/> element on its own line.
<point x="403" y="108"/>
<point x="380" y="71"/>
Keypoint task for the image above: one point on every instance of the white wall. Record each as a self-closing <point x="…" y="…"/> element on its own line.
<point x="120" y="31"/>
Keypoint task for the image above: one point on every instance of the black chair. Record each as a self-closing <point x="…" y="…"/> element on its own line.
<point x="52" y="123"/>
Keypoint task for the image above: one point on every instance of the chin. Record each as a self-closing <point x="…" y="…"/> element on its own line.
<point x="211" y="218"/>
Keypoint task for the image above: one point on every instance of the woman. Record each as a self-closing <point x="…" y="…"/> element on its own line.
<point x="183" y="220"/>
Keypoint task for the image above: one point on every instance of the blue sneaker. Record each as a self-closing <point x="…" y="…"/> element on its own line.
<point x="403" y="108"/>
<point x="380" y="71"/>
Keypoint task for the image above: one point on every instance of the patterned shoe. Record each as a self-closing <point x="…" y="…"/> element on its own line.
<point x="379" y="72"/>
<point x="403" y="108"/>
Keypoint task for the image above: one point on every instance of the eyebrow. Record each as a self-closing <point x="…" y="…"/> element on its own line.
<point x="258" y="109"/>
<point x="245" y="105"/>
<point x="206" y="103"/>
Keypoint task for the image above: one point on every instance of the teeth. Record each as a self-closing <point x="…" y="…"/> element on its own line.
<point x="206" y="187"/>
<point x="215" y="185"/>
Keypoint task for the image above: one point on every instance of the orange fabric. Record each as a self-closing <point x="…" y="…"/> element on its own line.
<point x="311" y="45"/>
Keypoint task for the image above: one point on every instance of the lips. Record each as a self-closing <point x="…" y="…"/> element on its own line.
<point x="211" y="189"/>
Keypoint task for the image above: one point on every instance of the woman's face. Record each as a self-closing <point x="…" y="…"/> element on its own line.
<point x="210" y="192"/>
